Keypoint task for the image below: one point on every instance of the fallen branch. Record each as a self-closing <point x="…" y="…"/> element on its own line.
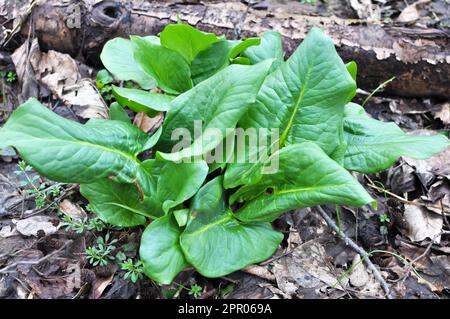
<point x="376" y="273"/>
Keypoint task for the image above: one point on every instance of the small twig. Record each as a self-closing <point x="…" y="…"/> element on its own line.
<point x="67" y="192"/>
<point x="403" y="200"/>
<point x="426" y="251"/>
<point x="359" y="250"/>
<point x="260" y="272"/>
<point x="35" y="262"/>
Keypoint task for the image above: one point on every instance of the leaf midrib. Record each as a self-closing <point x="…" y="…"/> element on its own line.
<point x="296" y="107"/>
<point x="208" y="226"/>
<point x="306" y="189"/>
<point x="101" y="147"/>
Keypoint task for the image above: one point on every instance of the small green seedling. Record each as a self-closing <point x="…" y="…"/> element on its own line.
<point x="81" y="225"/>
<point x="134" y="269"/>
<point x="384" y="218"/>
<point x="43" y="193"/>
<point x="10" y="76"/>
<point x="196" y="290"/>
<point x="102" y="253"/>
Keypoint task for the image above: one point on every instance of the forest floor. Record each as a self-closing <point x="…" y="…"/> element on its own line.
<point x="46" y="228"/>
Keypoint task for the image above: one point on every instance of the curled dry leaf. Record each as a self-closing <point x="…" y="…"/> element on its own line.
<point x="72" y="210"/>
<point x="146" y="123"/>
<point x="411" y="13"/>
<point x="61" y="75"/>
<point x="422" y="223"/>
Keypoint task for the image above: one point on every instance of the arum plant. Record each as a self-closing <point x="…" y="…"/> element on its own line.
<point x="215" y="215"/>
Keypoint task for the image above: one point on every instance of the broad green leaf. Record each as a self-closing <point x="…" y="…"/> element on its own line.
<point x="373" y="146"/>
<point x="271" y="47"/>
<point x="353" y="109"/>
<point x="150" y="103"/>
<point x="117" y="56"/>
<point x="305" y="97"/>
<point x="215" y="243"/>
<point x="160" y="250"/>
<point x="240" y="46"/>
<point x="186" y="40"/>
<point x="352" y="68"/>
<point x="218" y="102"/>
<point x="153" y="139"/>
<point x="70" y="152"/>
<point x="304" y="100"/>
<point x="306" y="177"/>
<point x="168" y="67"/>
<point x="166" y="191"/>
<point x="115" y="203"/>
<point x="210" y="61"/>
<point x="117" y="113"/>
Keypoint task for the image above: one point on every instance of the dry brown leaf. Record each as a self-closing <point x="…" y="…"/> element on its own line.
<point x="61" y="75"/>
<point x="85" y="100"/>
<point x="365" y="9"/>
<point x="359" y="276"/>
<point x="72" y="210"/>
<point x="410" y="13"/>
<point x="422" y="223"/>
<point x="146" y="123"/>
<point x="101" y="284"/>
<point x="307" y="267"/>
<point x="444" y="113"/>
<point x="8" y="231"/>
<point x="32" y="226"/>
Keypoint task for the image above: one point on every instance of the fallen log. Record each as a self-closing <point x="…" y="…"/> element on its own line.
<point x="418" y="58"/>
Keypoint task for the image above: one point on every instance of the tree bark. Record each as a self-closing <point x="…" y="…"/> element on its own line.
<point x="418" y="58"/>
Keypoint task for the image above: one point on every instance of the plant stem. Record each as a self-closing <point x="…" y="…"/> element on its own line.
<point x="365" y="256"/>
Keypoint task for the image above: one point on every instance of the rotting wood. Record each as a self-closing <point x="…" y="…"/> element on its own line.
<point x="419" y="58"/>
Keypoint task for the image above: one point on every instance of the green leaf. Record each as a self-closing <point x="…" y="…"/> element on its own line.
<point x="181" y="215"/>
<point x="217" y="244"/>
<point x="168" y="67"/>
<point x="210" y="61"/>
<point x="218" y="102"/>
<point x="117" y="56"/>
<point x="305" y="97"/>
<point x="186" y="40"/>
<point x="115" y="203"/>
<point x="241" y="46"/>
<point x="241" y="60"/>
<point x="150" y="103"/>
<point x="160" y="250"/>
<point x="271" y="47"/>
<point x="103" y="78"/>
<point x="153" y="139"/>
<point x="353" y="109"/>
<point x="374" y="145"/>
<point x="166" y="191"/>
<point x="306" y="177"/>
<point x="352" y="68"/>
<point x="117" y="113"/>
<point x="70" y="152"/>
